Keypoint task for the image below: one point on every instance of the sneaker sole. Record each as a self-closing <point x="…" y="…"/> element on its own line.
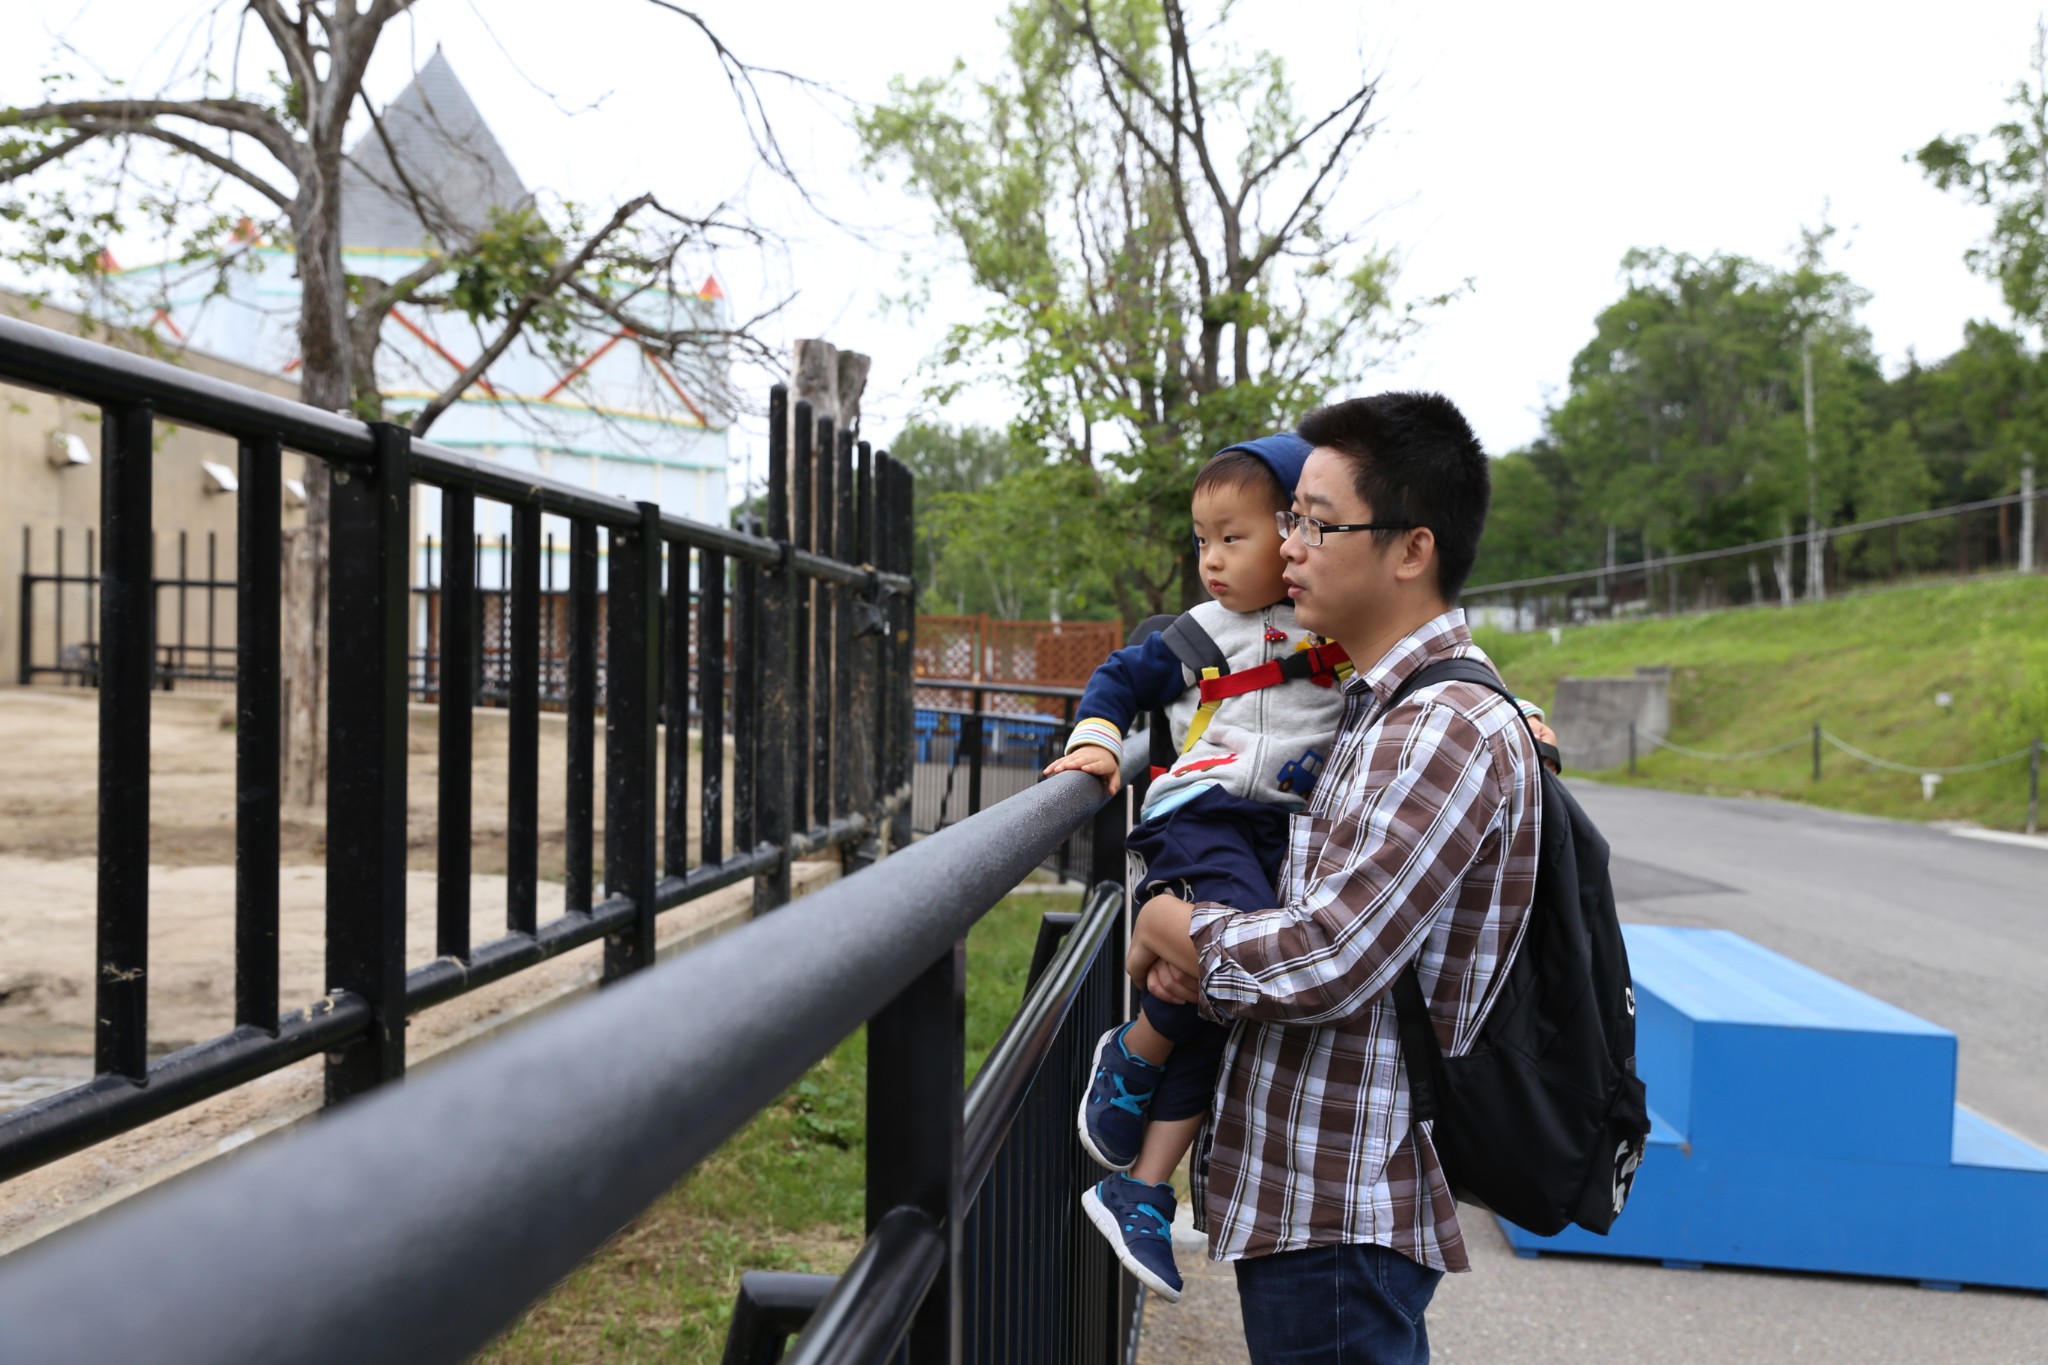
<point x="1105" y="1223"/>
<point x="1081" y="1115"/>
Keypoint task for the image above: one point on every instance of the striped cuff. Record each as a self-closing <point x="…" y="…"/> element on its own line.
<point x="1097" y="731"/>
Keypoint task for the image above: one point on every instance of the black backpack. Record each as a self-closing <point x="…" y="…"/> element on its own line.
<point x="1543" y="1121"/>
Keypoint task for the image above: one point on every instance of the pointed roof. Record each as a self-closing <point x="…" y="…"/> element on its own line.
<point x="454" y="171"/>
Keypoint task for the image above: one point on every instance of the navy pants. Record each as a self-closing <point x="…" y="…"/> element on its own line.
<point x="1212" y="847"/>
<point x="1336" y="1305"/>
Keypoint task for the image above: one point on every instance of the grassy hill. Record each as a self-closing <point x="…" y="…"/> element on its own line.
<point x="1867" y="668"/>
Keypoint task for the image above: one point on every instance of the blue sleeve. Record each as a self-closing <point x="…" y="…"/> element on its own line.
<point x="1138" y="678"/>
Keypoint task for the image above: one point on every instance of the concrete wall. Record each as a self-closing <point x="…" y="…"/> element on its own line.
<point x="42" y="499"/>
<point x="1592" y="716"/>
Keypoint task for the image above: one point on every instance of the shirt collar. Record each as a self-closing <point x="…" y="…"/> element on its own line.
<point x="1437" y="638"/>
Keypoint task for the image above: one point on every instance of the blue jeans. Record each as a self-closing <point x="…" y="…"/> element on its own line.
<point x="1336" y="1305"/>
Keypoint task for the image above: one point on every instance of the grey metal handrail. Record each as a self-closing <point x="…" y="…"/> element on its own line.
<point x="415" y="1222"/>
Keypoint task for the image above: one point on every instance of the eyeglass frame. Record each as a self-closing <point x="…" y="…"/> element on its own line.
<point x="1289" y="522"/>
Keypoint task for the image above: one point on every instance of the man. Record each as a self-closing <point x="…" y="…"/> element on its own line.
<point x="1419" y="844"/>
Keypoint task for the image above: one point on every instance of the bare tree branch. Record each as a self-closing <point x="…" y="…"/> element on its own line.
<point x="235" y="116"/>
<point x="54" y="152"/>
<point x="516" y="319"/>
<point x="195" y="150"/>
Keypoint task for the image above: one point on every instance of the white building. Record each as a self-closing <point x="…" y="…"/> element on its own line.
<point x="622" y="421"/>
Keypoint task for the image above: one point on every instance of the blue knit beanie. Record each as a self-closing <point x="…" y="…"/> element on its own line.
<point x="1284" y="453"/>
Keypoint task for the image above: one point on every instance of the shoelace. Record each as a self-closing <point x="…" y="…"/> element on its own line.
<point x="1125" y="1100"/>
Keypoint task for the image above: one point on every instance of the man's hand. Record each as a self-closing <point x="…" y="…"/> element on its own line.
<point x="1092" y="759"/>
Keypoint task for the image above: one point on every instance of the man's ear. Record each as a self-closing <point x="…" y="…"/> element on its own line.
<point x="1418" y="554"/>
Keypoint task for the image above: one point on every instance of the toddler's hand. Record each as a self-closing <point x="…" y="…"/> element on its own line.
<point x="1092" y="759"/>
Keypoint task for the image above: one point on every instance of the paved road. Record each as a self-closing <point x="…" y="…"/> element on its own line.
<point x="1953" y="929"/>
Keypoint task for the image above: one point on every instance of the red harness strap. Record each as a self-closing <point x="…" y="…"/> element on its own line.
<point x="1321" y="669"/>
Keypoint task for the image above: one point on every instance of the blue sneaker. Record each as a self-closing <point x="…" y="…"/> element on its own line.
<point x="1112" y="1118"/>
<point x="1138" y="1221"/>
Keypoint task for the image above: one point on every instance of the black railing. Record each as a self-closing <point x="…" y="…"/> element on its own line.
<point x="439" y="1209"/>
<point x="781" y="806"/>
<point x="188" y="617"/>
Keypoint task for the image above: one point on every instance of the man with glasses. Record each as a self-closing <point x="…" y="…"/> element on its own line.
<point x="1419" y="844"/>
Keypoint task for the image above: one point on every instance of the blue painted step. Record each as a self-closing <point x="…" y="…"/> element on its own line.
<point x="1798" y="1123"/>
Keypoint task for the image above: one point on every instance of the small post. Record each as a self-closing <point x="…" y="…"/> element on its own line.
<point x="916" y="1131"/>
<point x="2034" y="788"/>
<point x="1631" y="748"/>
<point x="1816" y="751"/>
<point x="976" y="741"/>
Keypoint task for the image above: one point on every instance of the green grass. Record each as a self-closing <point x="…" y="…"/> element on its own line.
<point x="1867" y="668"/>
<point x="783" y="1194"/>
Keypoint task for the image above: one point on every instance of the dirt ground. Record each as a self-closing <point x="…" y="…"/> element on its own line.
<point x="48" y="835"/>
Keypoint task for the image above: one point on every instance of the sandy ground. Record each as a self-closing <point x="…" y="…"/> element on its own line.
<point x="48" y="754"/>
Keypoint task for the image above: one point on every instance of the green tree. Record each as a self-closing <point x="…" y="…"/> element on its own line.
<point x="1149" y="217"/>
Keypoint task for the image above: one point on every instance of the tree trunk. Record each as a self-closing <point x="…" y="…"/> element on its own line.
<point x="324" y="349"/>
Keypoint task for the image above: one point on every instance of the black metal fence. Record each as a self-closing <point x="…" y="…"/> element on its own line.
<point x="189" y="616"/>
<point x="434" y="1212"/>
<point x="805" y="588"/>
<point x="439" y="1209"/>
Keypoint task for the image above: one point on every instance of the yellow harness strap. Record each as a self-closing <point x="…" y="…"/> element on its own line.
<point x="1202" y="713"/>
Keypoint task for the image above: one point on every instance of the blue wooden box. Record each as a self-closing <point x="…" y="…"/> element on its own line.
<point x="1800" y="1124"/>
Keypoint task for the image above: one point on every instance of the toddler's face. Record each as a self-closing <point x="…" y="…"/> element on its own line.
<point x="1239" y="545"/>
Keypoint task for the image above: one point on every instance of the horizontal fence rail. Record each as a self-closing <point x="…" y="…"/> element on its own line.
<point x="441" y="1208"/>
<point x="671" y="580"/>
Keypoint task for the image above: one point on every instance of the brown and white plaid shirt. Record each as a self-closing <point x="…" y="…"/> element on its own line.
<point x="1420" y="838"/>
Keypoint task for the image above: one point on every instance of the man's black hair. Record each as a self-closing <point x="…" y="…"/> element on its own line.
<point x="1414" y="458"/>
<point x="1241" y="469"/>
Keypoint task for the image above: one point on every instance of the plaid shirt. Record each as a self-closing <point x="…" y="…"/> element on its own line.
<point x="1419" y="843"/>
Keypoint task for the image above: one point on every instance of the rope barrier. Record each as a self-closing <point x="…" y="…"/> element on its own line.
<point x="1874" y="761"/>
<point x="1729" y="758"/>
<point x="1842" y="744"/>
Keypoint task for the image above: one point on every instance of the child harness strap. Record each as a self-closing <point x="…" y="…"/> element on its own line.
<point x="1321" y="664"/>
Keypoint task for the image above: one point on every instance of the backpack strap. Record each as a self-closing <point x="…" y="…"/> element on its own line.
<point x="1420" y="1051"/>
<point x="1202" y="656"/>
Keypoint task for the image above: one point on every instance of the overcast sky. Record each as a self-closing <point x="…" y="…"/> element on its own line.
<point x="1523" y="146"/>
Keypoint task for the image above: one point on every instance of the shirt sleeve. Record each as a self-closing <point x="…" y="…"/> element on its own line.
<point x="1389" y="850"/>
<point x="1137" y="678"/>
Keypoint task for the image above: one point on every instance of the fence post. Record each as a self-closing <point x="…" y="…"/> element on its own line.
<point x="258" y="776"/>
<point x="902" y="692"/>
<point x="368" y="602"/>
<point x="1816" y="751"/>
<point x="27" y="617"/>
<point x="916" y="1132"/>
<point x="126" y="677"/>
<point x="632" y="696"/>
<point x="775" y="738"/>
<point x="2034" y="789"/>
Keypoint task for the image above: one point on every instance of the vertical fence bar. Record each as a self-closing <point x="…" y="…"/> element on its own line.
<point x="632" y="694"/>
<point x="212" y="578"/>
<point x="977" y="741"/>
<point x="916" y="1071"/>
<point x="120" y="1035"/>
<point x="675" y="707"/>
<point x="819" y="665"/>
<point x="846" y="733"/>
<point x="27" y="617"/>
<point x="802" y="459"/>
<point x="57" y="608"/>
<point x="456" y="738"/>
<point x="367" y="601"/>
<point x="903" y="693"/>
<point x="259" y="514"/>
<point x="746" y="679"/>
<point x="711" y="703"/>
<point x="578" y="834"/>
<point x="775" y="709"/>
<point x="522" y="778"/>
<point x="179" y="655"/>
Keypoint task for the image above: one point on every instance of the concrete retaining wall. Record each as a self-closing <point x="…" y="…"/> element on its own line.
<point x="1592" y="716"/>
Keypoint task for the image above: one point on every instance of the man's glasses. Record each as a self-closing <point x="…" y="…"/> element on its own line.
<point x="1313" y="531"/>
